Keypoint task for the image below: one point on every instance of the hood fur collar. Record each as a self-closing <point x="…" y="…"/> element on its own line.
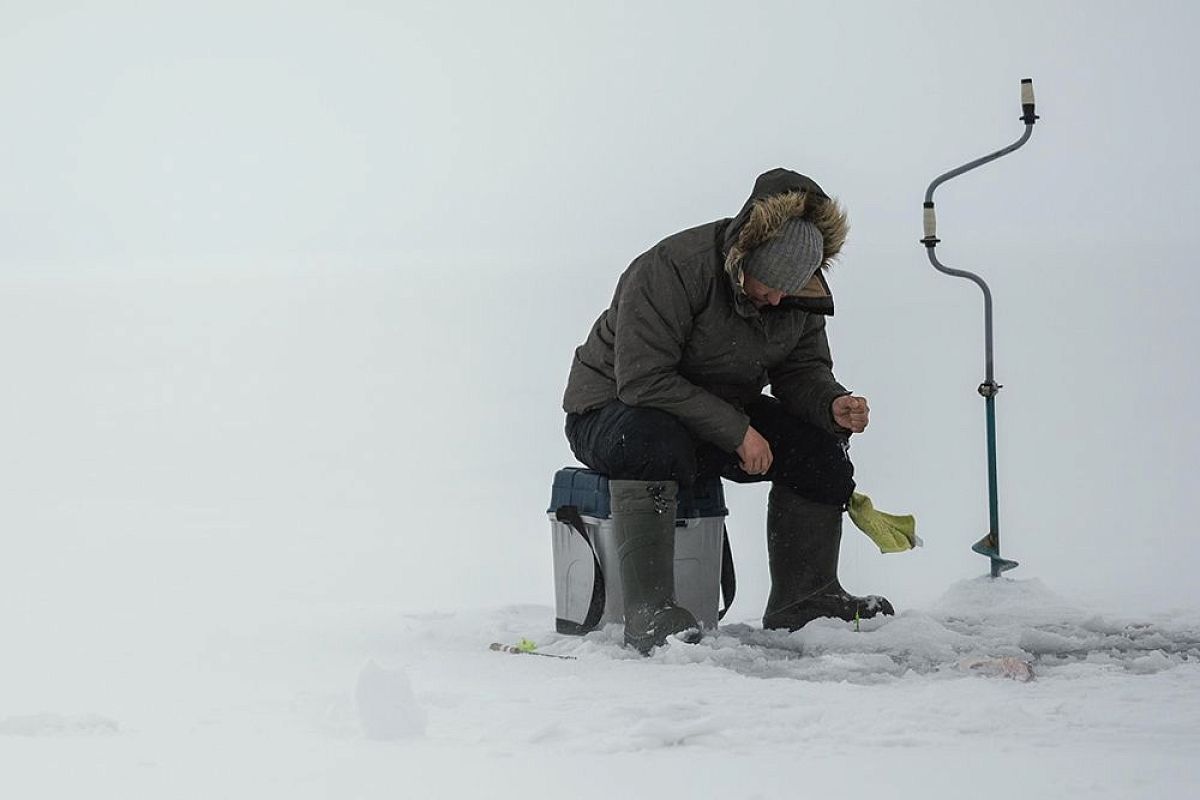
<point x="767" y="216"/>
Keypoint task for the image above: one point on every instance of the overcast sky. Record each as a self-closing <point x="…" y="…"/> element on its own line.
<point x="288" y="291"/>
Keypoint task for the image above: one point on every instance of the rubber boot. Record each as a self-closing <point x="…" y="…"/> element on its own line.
<point x="643" y="515"/>
<point x="803" y="542"/>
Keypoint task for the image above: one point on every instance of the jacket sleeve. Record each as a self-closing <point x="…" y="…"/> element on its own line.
<point x="654" y="320"/>
<point x="804" y="381"/>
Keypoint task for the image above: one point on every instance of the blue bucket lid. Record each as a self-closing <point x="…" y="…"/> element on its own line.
<point x="587" y="490"/>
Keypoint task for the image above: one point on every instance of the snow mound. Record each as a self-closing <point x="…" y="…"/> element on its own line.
<point x="58" y="725"/>
<point x="977" y="622"/>
<point x="387" y="708"/>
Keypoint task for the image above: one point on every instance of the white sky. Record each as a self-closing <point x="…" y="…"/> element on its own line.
<point x="288" y="292"/>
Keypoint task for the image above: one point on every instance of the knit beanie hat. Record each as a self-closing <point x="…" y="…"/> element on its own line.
<point x="788" y="260"/>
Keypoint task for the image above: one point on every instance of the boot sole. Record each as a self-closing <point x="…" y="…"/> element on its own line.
<point x="644" y="644"/>
<point x="798" y="621"/>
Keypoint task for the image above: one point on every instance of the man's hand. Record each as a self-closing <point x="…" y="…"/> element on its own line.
<point x="851" y="412"/>
<point x="755" y="453"/>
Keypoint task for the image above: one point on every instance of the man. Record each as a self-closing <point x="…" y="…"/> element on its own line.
<point x="668" y="388"/>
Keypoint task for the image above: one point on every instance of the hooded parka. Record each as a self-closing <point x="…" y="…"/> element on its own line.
<point x="681" y="335"/>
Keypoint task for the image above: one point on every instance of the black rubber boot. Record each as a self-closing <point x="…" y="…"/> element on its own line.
<point x="803" y="541"/>
<point x="643" y="515"/>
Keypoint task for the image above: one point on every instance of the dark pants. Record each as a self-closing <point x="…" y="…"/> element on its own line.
<point x="645" y="444"/>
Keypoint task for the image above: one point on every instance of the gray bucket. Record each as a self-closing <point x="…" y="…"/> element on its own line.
<point x="587" y="576"/>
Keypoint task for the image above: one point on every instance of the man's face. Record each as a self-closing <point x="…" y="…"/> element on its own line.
<point x="760" y="294"/>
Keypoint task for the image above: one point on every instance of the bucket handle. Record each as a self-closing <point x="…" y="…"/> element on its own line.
<point x="570" y="516"/>
<point x="728" y="575"/>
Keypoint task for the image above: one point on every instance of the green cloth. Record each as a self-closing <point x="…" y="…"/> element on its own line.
<point x="893" y="533"/>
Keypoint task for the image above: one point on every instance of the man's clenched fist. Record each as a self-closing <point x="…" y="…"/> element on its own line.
<point x="851" y="412"/>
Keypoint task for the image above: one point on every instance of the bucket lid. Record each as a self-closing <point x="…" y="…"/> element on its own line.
<point x="587" y="490"/>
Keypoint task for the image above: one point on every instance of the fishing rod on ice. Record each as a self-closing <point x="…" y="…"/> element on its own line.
<point x="989" y="545"/>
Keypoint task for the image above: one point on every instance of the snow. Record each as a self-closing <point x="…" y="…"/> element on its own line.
<point x="386" y="707"/>
<point x="277" y="447"/>
<point x="361" y="701"/>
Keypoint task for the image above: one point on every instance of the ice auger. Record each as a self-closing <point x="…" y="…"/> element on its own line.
<point x="989" y="545"/>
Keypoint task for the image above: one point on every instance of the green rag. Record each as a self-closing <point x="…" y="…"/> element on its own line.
<point x="893" y="533"/>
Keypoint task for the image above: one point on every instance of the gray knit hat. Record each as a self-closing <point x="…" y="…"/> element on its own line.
<point x="788" y="260"/>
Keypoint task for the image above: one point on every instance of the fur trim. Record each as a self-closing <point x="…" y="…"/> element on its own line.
<point x="768" y="216"/>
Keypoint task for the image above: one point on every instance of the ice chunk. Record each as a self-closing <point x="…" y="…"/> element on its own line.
<point x="1155" y="661"/>
<point x="387" y="707"/>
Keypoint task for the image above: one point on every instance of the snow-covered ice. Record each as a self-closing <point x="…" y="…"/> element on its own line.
<point x="287" y="299"/>
<point x="285" y="707"/>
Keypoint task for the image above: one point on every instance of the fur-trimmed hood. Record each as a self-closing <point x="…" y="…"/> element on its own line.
<point x="780" y="195"/>
<point x="674" y="338"/>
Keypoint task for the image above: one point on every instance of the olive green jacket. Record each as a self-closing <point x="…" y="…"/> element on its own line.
<point x="682" y="336"/>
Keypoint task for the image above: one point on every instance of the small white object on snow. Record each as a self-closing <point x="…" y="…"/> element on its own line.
<point x="387" y="708"/>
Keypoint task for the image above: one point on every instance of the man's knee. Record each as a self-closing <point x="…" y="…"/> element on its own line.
<point x="837" y="480"/>
<point x="829" y="484"/>
<point x="815" y="464"/>
<point x="629" y="443"/>
<point x="652" y="445"/>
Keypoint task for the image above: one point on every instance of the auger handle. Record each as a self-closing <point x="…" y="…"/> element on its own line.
<point x="1028" y="117"/>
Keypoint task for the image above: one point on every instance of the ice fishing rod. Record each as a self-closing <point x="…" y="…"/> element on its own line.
<point x="989" y="545"/>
